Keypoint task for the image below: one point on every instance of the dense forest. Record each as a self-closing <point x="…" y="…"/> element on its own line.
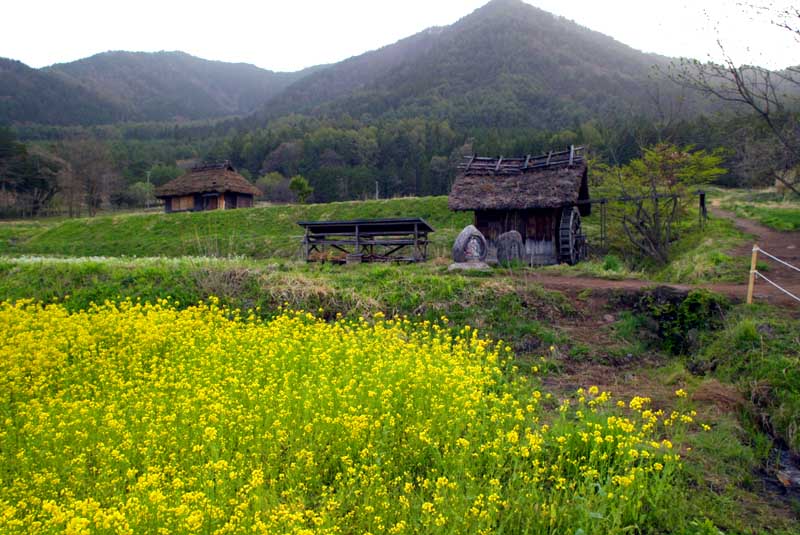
<point x="342" y="159"/>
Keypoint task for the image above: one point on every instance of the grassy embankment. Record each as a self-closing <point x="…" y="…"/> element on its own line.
<point x="269" y="232"/>
<point x="509" y="308"/>
<point x="272" y="233"/>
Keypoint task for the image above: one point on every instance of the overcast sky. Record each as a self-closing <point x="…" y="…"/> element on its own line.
<point x="291" y="34"/>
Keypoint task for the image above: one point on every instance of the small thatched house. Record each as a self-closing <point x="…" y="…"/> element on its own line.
<point x="208" y="187"/>
<point x="540" y="197"/>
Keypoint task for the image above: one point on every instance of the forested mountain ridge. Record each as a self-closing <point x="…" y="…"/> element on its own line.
<point x="30" y="95"/>
<point x="134" y="86"/>
<point x="169" y="85"/>
<point x="506" y="64"/>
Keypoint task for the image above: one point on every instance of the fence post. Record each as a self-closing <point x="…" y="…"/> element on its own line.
<point x="752" y="283"/>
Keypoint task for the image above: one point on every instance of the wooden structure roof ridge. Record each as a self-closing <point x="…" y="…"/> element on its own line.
<point x="481" y="165"/>
<point x="208" y="166"/>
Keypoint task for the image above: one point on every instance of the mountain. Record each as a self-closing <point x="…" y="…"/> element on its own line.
<point x="507" y="63"/>
<point x="169" y="85"/>
<point x="135" y="86"/>
<point x="31" y="95"/>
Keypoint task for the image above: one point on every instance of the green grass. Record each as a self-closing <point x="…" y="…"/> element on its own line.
<point x="780" y="211"/>
<point x="776" y="217"/>
<point x="270" y="232"/>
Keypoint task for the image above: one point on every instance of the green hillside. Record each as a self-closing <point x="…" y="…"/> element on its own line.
<point x="269" y="232"/>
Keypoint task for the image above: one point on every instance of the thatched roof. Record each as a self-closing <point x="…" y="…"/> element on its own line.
<point x="548" y="181"/>
<point x="212" y="178"/>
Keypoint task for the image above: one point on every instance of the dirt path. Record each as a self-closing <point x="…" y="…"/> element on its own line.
<point x="785" y="245"/>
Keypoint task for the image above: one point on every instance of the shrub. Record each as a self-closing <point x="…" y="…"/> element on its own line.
<point x="612" y="263"/>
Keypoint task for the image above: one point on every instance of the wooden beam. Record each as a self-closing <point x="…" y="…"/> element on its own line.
<point x="470" y="162"/>
<point x="571" y="154"/>
<point x="499" y="163"/>
<point x="527" y="161"/>
<point x="549" y="155"/>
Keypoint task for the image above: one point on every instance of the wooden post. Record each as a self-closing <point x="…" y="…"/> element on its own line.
<point x="603" y="224"/>
<point x="752" y="283"/>
<point x="417" y="251"/>
<point x="306" y="247"/>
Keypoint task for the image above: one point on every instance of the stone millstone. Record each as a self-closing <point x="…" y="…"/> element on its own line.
<point x="470" y="246"/>
<point x="510" y="247"/>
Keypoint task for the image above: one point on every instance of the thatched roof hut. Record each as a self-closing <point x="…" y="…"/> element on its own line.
<point x="521" y="183"/>
<point x="541" y="197"/>
<point x="208" y="187"/>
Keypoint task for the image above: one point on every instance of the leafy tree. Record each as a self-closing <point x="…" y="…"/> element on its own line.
<point x="160" y="174"/>
<point x="301" y="188"/>
<point x="38" y="183"/>
<point x="656" y="192"/>
<point x="28" y="178"/>
<point x="275" y="188"/>
<point x="11" y="151"/>
<point x="94" y="170"/>
<point x="141" y="193"/>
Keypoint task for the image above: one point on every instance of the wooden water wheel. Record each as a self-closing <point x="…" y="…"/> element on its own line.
<point x="571" y="239"/>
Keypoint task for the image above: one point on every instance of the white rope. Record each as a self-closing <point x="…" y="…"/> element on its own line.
<point x="787" y="264"/>
<point x="784" y="290"/>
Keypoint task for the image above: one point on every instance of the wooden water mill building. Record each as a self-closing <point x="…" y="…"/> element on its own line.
<point x="541" y="197"/>
<point x="208" y="187"/>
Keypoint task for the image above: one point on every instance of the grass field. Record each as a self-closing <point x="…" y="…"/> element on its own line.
<point x="780" y="216"/>
<point x="507" y="307"/>
<point x="270" y="232"/>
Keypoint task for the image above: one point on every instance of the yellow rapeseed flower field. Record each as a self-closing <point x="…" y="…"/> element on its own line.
<point x="145" y="418"/>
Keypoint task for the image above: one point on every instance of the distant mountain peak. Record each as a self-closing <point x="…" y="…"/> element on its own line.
<point x="506" y="64"/>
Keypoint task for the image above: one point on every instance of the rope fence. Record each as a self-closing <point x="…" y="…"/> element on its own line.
<point x="754" y="274"/>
